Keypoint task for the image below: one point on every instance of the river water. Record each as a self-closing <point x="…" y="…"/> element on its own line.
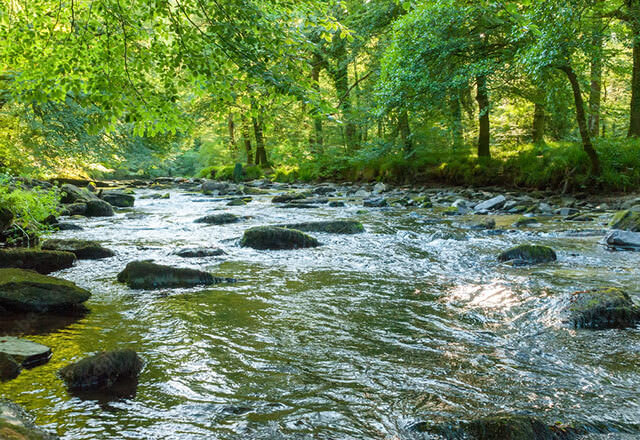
<point x="362" y="338"/>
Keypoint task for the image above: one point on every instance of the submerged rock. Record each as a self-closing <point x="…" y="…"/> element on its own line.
<point x="528" y="254"/>
<point x="602" y="309"/>
<point x="99" y="208"/>
<point x="119" y="199"/>
<point x="82" y="249"/>
<point x="15" y="424"/>
<point x="199" y="252"/>
<point x="102" y="370"/>
<point x="42" y="261"/>
<point x="218" y="219"/>
<point x="623" y="240"/>
<point x="26" y="353"/>
<point x="273" y="237"/>
<point x="626" y="220"/>
<point x="28" y="291"/>
<point x="148" y="275"/>
<point x="375" y="202"/>
<point x="330" y="227"/>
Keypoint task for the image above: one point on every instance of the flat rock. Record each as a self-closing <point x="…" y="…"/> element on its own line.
<point x="148" y="275"/>
<point x="528" y="254"/>
<point x="491" y="204"/>
<point x="42" y="261"/>
<point x="26" y="353"/>
<point x="218" y="219"/>
<point x="102" y="370"/>
<point x="330" y="227"/>
<point x="199" y="252"/>
<point x="603" y="309"/>
<point x="28" y="291"/>
<point x="623" y="240"/>
<point x="82" y="249"/>
<point x="274" y="238"/>
<point x="118" y="199"/>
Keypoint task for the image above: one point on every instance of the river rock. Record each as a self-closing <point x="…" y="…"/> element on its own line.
<point x="211" y="186"/>
<point x="336" y="204"/>
<point x="528" y="254"/>
<point x="376" y="202"/>
<point x="28" y="291"/>
<point x="118" y="199"/>
<point x="603" y="309"/>
<point x="623" y="240"/>
<point x="199" y="252"/>
<point x="242" y="201"/>
<point x="148" y="275"/>
<point x="9" y="368"/>
<point x="15" y="424"/>
<point x="102" y="370"/>
<point x="273" y="237"/>
<point x="82" y="249"/>
<point x="75" y="209"/>
<point x="626" y="220"/>
<point x="330" y="227"/>
<point x="26" y="353"/>
<point x="525" y="221"/>
<point x="44" y="262"/>
<point x="484" y="225"/>
<point x="219" y="219"/>
<point x="285" y="198"/>
<point x="68" y="227"/>
<point x="491" y="204"/>
<point x="98" y="208"/>
<point x="73" y="194"/>
<point x="379" y="188"/>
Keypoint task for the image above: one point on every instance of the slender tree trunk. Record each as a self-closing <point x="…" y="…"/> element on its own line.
<point x="595" y="91"/>
<point x="456" y="121"/>
<point x="316" y="139"/>
<point x="634" y="115"/>
<point x="582" y="120"/>
<point x="484" y="135"/>
<point x="539" y="118"/>
<point x="405" y="131"/>
<point x="247" y="140"/>
<point x="340" y="76"/>
<point x="261" y="152"/>
<point x="233" y="146"/>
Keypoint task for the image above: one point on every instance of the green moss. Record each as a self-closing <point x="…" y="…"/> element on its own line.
<point x="524" y="221"/>
<point x="272" y="237"/>
<point x="330" y="227"/>
<point x="603" y="308"/>
<point x="528" y="254"/>
<point x="42" y="261"/>
<point x="626" y="220"/>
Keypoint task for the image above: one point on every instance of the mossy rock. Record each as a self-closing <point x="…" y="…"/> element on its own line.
<point x="119" y="199"/>
<point x="199" y="252"/>
<point x="9" y="368"/>
<point x="75" y="209"/>
<point x="219" y="219"/>
<point x="102" y="371"/>
<point x="42" y="261"/>
<point x="82" y="249"/>
<point x="286" y="198"/>
<point x="239" y="202"/>
<point x="525" y="221"/>
<point x="28" y="291"/>
<point x="99" y="208"/>
<point x="329" y="227"/>
<point x="275" y="238"/>
<point x="514" y="427"/>
<point x="528" y="254"/>
<point x="603" y="309"/>
<point x="15" y="424"/>
<point x="626" y="220"/>
<point x="148" y="275"/>
<point x="73" y="194"/>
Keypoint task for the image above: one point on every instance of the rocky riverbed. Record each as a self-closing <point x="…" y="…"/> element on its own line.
<point x="266" y="310"/>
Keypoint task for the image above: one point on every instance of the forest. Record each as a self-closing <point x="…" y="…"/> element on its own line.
<point x="319" y="219"/>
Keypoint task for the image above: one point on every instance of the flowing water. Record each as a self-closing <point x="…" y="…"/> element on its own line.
<point x="361" y="338"/>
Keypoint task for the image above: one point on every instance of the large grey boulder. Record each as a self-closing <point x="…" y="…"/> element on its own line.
<point x="82" y="249"/>
<point x="491" y="204"/>
<point x="603" y="309"/>
<point x="73" y="194"/>
<point x="99" y="208"/>
<point x="27" y="354"/>
<point x="102" y="370"/>
<point x="42" y="261"/>
<point x="24" y="290"/>
<point x="148" y="275"/>
<point x="623" y="240"/>
<point x="118" y="199"/>
<point x="275" y="238"/>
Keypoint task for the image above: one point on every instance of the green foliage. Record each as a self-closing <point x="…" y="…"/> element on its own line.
<point x="29" y="206"/>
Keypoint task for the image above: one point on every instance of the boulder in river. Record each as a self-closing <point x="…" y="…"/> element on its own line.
<point x="75" y="209"/>
<point x="199" y="252"/>
<point x="273" y="237"/>
<point x="9" y="368"/>
<point x="330" y="226"/>
<point x="73" y="194"/>
<point x="491" y="204"/>
<point x="26" y="353"/>
<point x="377" y="202"/>
<point x="82" y="249"/>
<point x="27" y="291"/>
<point x="16" y="424"/>
<point x="102" y="370"/>
<point x="623" y="240"/>
<point x="528" y="254"/>
<point x="118" y="199"/>
<point x="286" y="198"/>
<point x="42" y="261"/>
<point x="218" y="219"/>
<point x="525" y="221"/>
<point x="626" y="220"/>
<point x="98" y="208"/>
<point x="602" y="309"/>
<point x="148" y="275"/>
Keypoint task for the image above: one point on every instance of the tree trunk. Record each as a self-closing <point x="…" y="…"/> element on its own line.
<point x="539" y="117"/>
<point x="582" y="120"/>
<point x="232" y="138"/>
<point x="596" y="83"/>
<point x="316" y="139"/>
<point x="634" y="115"/>
<point x="484" y="136"/>
<point x="456" y="121"/>
<point x="247" y="140"/>
<point x="261" y="152"/>
<point x="340" y="76"/>
<point x="405" y="131"/>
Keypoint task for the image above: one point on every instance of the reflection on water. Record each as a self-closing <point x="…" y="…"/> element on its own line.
<point x="360" y="338"/>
